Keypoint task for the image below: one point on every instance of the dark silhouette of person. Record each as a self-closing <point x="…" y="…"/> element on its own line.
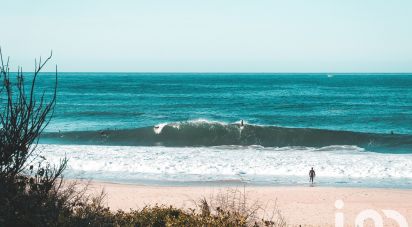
<point x="312" y="175"/>
<point x="241" y="123"/>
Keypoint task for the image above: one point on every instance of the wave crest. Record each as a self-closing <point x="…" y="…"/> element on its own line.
<point x="202" y="132"/>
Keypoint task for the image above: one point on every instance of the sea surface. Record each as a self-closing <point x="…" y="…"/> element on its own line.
<point x="186" y="128"/>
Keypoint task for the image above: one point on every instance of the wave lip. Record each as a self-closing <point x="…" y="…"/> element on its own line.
<point x="202" y="132"/>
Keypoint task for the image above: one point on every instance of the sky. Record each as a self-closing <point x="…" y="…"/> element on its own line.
<point x="210" y="36"/>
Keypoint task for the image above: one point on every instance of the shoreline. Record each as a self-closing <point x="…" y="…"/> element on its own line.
<point x="235" y="183"/>
<point x="299" y="205"/>
<point x="346" y="166"/>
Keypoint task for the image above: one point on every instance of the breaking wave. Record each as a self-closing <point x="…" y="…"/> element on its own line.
<point x="213" y="133"/>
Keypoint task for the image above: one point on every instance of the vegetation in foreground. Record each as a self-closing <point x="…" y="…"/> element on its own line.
<point x="34" y="193"/>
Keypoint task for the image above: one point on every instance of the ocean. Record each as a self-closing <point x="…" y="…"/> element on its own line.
<point x="186" y="128"/>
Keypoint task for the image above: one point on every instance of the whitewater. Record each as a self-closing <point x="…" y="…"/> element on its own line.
<point x="336" y="165"/>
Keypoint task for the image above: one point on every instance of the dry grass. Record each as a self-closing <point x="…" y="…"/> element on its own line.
<point x="236" y="202"/>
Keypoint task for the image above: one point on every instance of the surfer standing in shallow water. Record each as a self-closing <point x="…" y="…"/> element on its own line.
<point x="312" y="175"/>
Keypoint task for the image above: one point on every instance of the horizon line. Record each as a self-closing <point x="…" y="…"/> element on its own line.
<point x="217" y="72"/>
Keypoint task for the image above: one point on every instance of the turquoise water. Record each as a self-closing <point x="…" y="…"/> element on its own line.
<point x="378" y="104"/>
<point x="363" y="103"/>
<point x="354" y="128"/>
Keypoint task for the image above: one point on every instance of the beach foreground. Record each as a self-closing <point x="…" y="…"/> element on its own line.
<point x="306" y="206"/>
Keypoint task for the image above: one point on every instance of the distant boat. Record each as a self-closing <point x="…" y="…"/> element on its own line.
<point x="330" y="75"/>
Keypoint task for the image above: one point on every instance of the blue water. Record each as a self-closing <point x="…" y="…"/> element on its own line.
<point x="171" y="128"/>
<point x="361" y="103"/>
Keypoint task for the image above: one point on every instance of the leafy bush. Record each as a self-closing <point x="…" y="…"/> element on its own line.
<point x="234" y="210"/>
<point x="158" y="216"/>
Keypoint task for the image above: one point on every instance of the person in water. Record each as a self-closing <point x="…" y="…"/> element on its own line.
<point x="312" y="175"/>
<point x="241" y="122"/>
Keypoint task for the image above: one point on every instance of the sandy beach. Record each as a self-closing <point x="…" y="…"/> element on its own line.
<point x="306" y="206"/>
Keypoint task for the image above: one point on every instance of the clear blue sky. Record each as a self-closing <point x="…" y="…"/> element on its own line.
<point x="212" y="35"/>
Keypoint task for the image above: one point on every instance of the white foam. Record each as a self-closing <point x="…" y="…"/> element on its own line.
<point x="205" y="121"/>
<point x="158" y="128"/>
<point x="251" y="164"/>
